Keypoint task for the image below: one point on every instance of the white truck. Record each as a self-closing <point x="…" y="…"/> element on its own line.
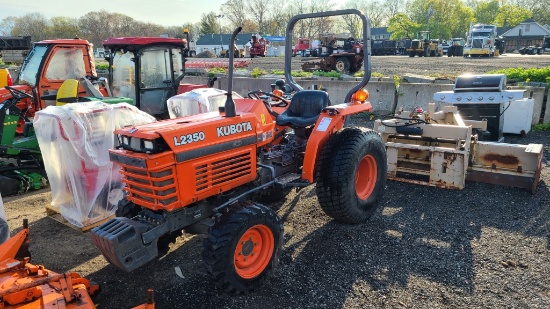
<point x="480" y="41"/>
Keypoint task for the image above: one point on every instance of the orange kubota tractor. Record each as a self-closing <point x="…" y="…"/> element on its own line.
<point x="202" y="174"/>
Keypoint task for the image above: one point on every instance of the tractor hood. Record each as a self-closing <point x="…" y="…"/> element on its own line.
<point x="197" y="132"/>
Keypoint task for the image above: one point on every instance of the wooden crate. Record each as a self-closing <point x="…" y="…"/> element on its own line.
<point x="53" y="212"/>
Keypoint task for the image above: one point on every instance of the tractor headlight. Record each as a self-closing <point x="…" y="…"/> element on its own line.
<point x="137" y="144"/>
<point x="147" y="145"/>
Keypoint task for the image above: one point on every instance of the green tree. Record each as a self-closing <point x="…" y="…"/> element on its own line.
<point x="513" y="15"/>
<point x="446" y="18"/>
<point x="485" y="12"/>
<point x="7" y="24"/>
<point x="34" y="24"/>
<point x="64" y="28"/>
<point x="209" y="24"/>
<point x="235" y="11"/>
<point x="401" y="27"/>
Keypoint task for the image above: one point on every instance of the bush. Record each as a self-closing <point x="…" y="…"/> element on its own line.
<point x="206" y="54"/>
<point x="213" y="71"/>
<point x="293" y="73"/>
<point x="541" y="127"/>
<point x="102" y="66"/>
<point x="541" y="75"/>
<point x="327" y="74"/>
<point x="257" y="72"/>
<point x="372" y="74"/>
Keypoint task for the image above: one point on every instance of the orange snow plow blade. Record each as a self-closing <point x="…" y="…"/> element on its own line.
<point x="29" y="286"/>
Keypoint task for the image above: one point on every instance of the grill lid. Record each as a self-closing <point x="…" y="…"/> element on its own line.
<point x="486" y="82"/>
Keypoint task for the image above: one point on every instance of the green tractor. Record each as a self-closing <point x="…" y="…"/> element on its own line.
<point x="22" y="167"/>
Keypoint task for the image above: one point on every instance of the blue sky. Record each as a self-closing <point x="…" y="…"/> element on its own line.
<point x="162" y="12"/>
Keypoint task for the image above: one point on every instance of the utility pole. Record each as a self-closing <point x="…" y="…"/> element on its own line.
<point x="219" y="17"/>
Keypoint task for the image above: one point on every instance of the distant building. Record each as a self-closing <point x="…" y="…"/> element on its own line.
<point x="527" y="33"/>
<point x="216" y="42"/>
<point x="380" y="33"/>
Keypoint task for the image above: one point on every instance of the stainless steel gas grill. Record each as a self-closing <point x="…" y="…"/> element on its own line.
<point x="480" y="97"/>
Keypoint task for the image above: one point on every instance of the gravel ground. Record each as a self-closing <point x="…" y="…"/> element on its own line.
<point x="486" y="246"/>
<point x="440" y="66"/>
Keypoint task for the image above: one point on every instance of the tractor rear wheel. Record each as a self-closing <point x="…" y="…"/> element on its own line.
<point x="243" y="248"/>
<point x="427" y="51"/>
<point x="342" y="65"/>
<point x="352" y="175"/>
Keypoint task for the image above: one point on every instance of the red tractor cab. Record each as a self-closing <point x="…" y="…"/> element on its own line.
<point x="148" y="70"/>
<point x="48" y="64"/>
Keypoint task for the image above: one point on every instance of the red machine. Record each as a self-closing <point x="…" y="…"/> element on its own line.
<point x="302" y="47"/>
<point x="259" y="46"/>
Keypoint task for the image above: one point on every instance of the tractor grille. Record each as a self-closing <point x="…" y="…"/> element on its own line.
<point x="151" y="187"/>
<point x="415" y="44"/>
<point x="216" y="173"/>
<point x="477" y="43"/>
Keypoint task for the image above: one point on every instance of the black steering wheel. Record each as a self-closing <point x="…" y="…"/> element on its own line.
<point x="18" y="94"/>
<point x="257" y="95"/>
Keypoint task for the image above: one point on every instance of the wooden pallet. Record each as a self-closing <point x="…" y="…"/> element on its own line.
<point x="53" y="212"/>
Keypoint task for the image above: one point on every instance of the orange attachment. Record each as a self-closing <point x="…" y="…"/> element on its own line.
<point x="365" y="178"/>
<point x="254" y="250"/>
<point x="29" y="286"/>
<point x="9" y="249"/>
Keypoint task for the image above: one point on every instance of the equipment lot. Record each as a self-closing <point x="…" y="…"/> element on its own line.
<point x="485" y="246"/>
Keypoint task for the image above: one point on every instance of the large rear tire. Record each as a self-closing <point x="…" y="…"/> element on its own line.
<point x="351" y="175"/>
<point x="427" y="51"/>
<point x="243" y="248"/>
<point x="342" y="65"/>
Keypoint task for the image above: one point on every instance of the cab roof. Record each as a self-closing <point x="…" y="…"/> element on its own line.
<point x="140" y="42"/>
<point x="64" y="41"/>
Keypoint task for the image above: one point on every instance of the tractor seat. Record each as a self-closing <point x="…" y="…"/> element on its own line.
<point x="304" y="108"/>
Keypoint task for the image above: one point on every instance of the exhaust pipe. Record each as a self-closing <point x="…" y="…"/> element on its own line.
<point x="229" y="103"/>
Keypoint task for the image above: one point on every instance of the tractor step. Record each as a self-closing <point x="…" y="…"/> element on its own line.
<point x="291" y="180"/>
<point x="120" y="241"/>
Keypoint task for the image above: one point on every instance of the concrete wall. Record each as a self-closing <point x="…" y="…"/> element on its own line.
<point x="382" y="93"/>
<point x="547" y="112"/>
<point x="413" y="95"/>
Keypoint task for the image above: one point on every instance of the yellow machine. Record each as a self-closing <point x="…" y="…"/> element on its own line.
<point x="423" y="46"/>
<point x="238" y="53"/>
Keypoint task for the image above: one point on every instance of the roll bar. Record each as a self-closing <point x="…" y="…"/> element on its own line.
<point x="366" y="46"/>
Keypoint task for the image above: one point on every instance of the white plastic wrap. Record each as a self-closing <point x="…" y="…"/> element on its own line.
<point x="4" y="228"/>
<point x="197" y="101"/>
<point x="75" y="140"/>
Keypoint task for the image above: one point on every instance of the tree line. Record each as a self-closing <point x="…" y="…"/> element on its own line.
<point x="445" y="18"/>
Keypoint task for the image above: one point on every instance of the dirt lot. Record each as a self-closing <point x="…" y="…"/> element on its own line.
<point x="486" y="246"/>
<point x="441" y="66"/>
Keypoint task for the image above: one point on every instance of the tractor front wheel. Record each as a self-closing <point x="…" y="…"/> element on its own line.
<point x="243" y="248"/>
<point x="342" y="65"/>
<point x="351" y="175"/>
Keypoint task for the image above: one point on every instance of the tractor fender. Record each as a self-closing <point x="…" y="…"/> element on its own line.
<point x="330" y="121"/>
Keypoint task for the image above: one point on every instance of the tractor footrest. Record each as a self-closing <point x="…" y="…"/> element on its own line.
<point x="120" y="241"/>
<point x="291" y="180"/>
